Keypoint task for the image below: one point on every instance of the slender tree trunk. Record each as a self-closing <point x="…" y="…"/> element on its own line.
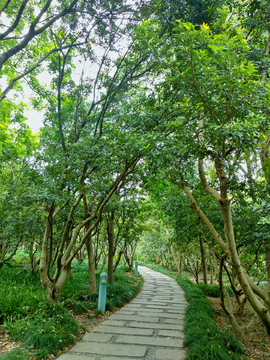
<point x="180" y="262"/>
<point x="267" y="261"/>
<point x="215" y="265"/>
<point x="111" y="246"/>
<point x="91" y="264"/>
<point x="175" y="260"/>
<point x="211" y="270"/>
<point x="170" y="259"/>
<point x="203" y="262"/>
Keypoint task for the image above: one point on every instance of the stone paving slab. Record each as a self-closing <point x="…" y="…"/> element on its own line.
<point x="171" y="333"/>
<point x="157" y="314"/>
<point x="123" y="330"/>
<point x="150" y="303"/>
<point x="113" y="323"/>
<point x="177" y="311"/>
<point x="119" y="358"/>
<point x="162" y="354"/>
<point x="135" y="318"/>
<point x="109" y="349"/>
<point x="77" y="357"/>
<point x="149" y="311"/>
<point x="152" y="341"/>
<point x="102" y="338"/>
<point x="153" y="326"/>
<point x="127" y="312"/>
<point x="154" y="303"/>
<point x="178" y="321"/>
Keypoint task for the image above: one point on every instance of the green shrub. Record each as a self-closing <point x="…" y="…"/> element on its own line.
<point x="16" y="354"/>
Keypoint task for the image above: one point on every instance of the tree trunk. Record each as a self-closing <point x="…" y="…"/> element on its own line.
<point x="180" y="263"/>
<point x="111" y="246"/>
<point x="215" y="265"/>
<point x="169" y="258"/>
<point x="211" y="270"/>
<point x="267" y="261"/>
<point x="203" y="262"/>
<point x="91" y="264"/>
<point x="175" y="260"/>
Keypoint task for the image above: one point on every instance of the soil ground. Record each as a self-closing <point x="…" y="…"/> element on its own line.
<point x="257" y="346"/>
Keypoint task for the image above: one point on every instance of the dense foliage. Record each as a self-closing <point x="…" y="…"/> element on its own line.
<point x="155" y="140"/>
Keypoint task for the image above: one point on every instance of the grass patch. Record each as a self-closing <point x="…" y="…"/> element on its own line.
<point x="203" y="339"/>
<point x="16" y="354"/>
<point x="20" y="292"/>
<point x="51" y="327"/>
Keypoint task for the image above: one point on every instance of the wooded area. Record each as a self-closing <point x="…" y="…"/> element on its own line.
<point x="155" y="141"/>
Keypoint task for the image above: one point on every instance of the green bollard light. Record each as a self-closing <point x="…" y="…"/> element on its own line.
<point x="136" y="268"/>
<point x="102" y="292"/>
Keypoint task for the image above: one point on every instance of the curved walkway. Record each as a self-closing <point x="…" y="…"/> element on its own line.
<point x="150" y="327"/>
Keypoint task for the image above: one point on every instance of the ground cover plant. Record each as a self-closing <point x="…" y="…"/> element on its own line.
<point x="47" y="328"/>
<point x="16" y="354"/>
<point x="203" y="338"/>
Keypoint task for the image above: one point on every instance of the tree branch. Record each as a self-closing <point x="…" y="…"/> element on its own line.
<point x="16" y="22"/>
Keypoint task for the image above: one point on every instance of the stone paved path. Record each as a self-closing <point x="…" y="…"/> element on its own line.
<point x="150" y="327"/>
